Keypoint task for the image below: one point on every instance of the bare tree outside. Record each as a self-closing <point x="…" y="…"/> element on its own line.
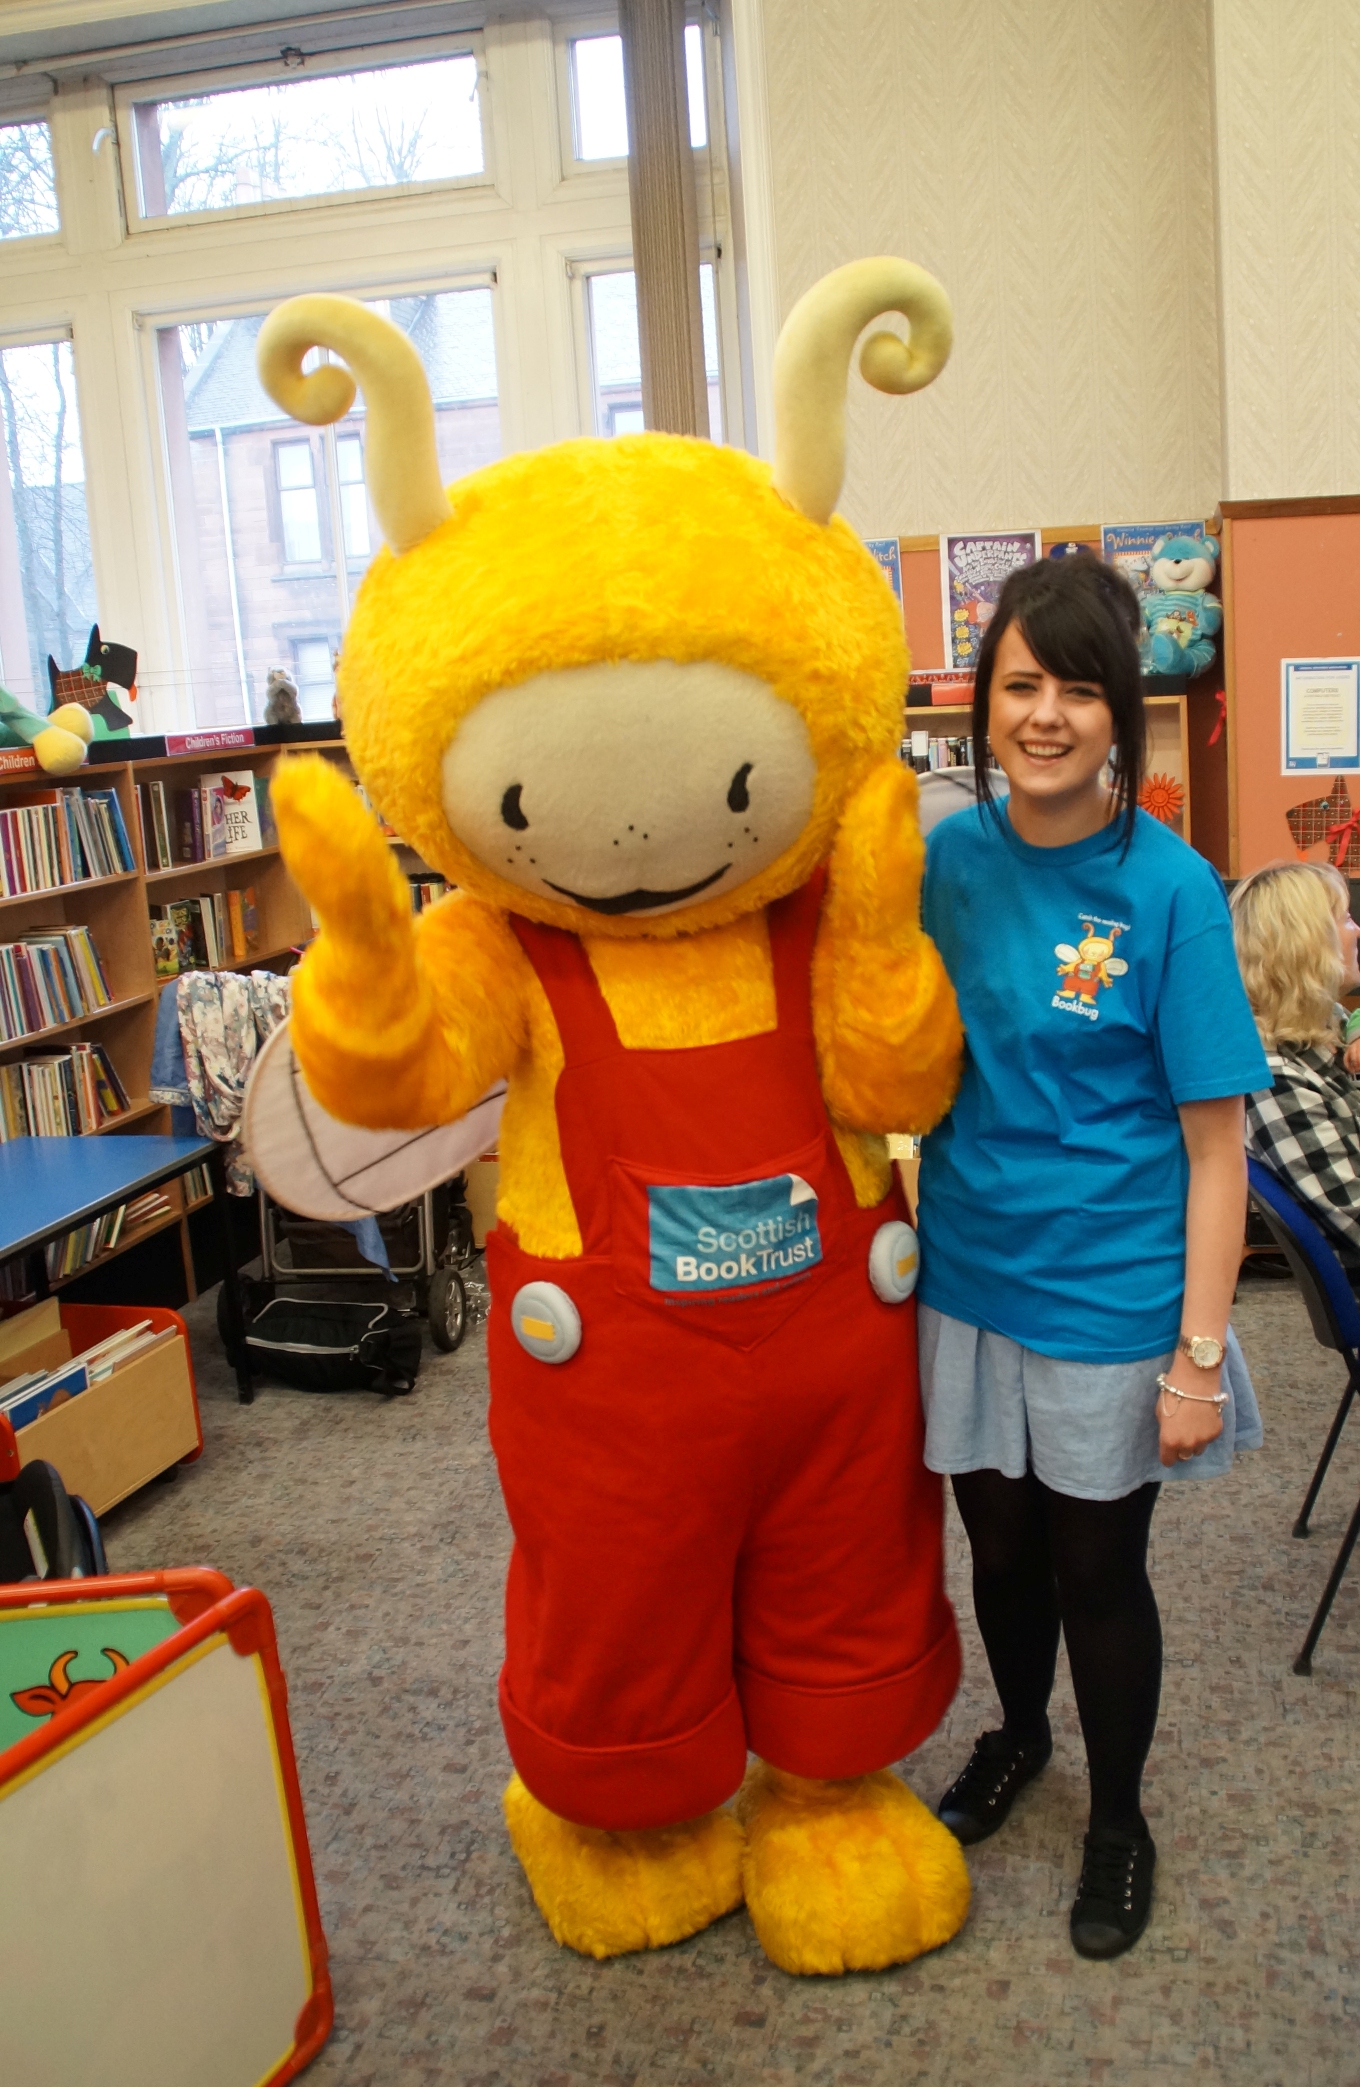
<point x="47" y="494"/>
<point x="28" y="188"/>
<point x="305" y="137"/>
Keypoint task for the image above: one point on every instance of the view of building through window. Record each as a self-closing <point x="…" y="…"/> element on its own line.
<point x="47" y="601"/>
<point x="272" y="522"/>
<point x="28" y="186"/>
<point x="599" y="111"/>
<point x="310" y="137"/>
<point x="616" y="357"/>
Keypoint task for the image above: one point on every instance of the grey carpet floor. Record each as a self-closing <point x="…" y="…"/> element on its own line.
<point x="377" y="1533"/>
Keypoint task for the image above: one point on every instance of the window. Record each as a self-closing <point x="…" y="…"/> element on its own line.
<point x="259" y="505"/>
<point x="290" y="139"/>
<point x="616" y="355"/>
<point x="349" y="452"/>
<point x="47" y="600"/>
<point x="314" y="674"/>
<point x="298" y="510"/>
<point x="28" y="187"/>
<point x="235" y="539"/>
<point x="599" y="108"/>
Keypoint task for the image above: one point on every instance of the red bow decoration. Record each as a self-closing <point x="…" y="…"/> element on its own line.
<point x="1222" y="701"/>
<point x="1332" y="819"/>
<point x="1347" y="839"/>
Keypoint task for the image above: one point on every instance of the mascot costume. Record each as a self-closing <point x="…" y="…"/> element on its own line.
<point x="640" y="700"/>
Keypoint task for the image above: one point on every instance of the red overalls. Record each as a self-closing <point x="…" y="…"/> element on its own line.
<point x="725" y="1536"/>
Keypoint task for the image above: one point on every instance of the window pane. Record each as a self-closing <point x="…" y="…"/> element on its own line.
<point x="600" y="115"/>
<point x="259" y="505"/>
<point x="599" y="108"/>
<point x="28" y="187"/>
<point x="47" y="599"/>
<point x="694" y="81"/>
<point x="310" y="137"/>
<point x="616" y="356"/>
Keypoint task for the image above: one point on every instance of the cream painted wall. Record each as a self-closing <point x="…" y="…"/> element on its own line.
<point x="1287" y="91"/>
<point x="1053" y="162"/>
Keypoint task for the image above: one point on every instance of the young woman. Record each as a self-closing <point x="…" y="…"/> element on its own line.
<point x="1082" y="1207"/>
<point x="1296" y="943"/>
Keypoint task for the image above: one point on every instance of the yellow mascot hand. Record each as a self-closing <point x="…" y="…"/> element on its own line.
<point x="878" y="860"/>
<point x="363" y="1020"/>
<point x="337" y="852"/>
<point x="889" y="1038"/>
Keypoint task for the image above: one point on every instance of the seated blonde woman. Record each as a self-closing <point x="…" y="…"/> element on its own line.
<point x="1296" y="945"/>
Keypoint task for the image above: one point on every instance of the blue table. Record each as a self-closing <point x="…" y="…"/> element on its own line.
<point x="51" y="1185"/>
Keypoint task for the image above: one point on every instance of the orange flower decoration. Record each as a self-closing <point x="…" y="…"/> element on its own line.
<point x="1163" y="796"/>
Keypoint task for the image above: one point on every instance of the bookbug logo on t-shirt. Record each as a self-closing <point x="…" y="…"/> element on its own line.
<point x="731" y="1238"/>
<point x="1091" y="966"/>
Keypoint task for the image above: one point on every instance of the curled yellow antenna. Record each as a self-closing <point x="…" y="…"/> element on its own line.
<point x="812" y="365"/>
<point x="401" y="461"/>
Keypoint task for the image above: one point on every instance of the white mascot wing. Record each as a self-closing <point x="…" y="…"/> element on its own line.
<point x="1066" y="952"/>
<point x="311" y="1163"/>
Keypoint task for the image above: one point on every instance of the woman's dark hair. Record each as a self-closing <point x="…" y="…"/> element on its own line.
<point x="1080" y="619"/>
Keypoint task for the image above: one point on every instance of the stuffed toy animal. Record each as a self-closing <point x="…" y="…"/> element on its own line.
<point x="1181" y="618"/>
<point x="640" y="699"/>
<point x="104" y="667"/>
<point x="281" y="706"/>
<point x="58" y="740"/>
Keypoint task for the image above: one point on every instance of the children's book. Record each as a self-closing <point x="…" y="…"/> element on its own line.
<point x="973" y="570"/>
<point x="212" y="798"/>
<point x="187" y="826"/>
<point x="161" y="826"/>
<point x="269" y="832"/>
<point x="164" y="943"/>
<point x="1128" y="547"/>
<point x="240" y="811"/>
<point x="250" y="920"/>
<point x="31" y="1400"/>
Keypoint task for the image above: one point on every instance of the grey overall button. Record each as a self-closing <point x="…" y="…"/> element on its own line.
<point x="546" y="1322"/>
<point x="894" y="1262"/>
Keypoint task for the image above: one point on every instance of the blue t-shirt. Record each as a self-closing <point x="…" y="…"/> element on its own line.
<point x="1098" y="991"/>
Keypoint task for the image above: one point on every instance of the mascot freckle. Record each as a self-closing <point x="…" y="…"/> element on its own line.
<point x="641" y="700"/>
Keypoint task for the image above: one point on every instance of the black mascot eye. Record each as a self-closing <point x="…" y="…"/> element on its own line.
<point x="510" y="810"/>
<point x="738" y="796"/>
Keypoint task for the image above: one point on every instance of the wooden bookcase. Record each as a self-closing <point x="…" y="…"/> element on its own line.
<point x="117" y="912"/>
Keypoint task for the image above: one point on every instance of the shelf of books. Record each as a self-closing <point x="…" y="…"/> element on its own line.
<point x="113" y="881"/>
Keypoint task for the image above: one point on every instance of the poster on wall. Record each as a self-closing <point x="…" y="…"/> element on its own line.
<point x="1319" y="715"/>
<point x="1128" y="546"/>
<point x="886" y="554"/>
<point x="973" y="570"/>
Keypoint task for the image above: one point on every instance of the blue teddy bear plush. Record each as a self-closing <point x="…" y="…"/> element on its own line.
<point x="1181" y="618"/>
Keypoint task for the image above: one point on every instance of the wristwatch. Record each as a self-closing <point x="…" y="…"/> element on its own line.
<point x="1204" y="1351"/>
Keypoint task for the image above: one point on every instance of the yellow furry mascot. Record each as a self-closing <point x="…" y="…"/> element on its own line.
<point x="640" y="701"/>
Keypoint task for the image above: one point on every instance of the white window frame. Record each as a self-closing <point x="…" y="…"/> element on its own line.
<point x="110" y="281"/>
<point x="577" y="28"/>
<point x="34" y="112"/>
<point x="331" y="65"/>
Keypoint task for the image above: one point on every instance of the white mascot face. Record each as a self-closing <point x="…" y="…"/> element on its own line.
<point x="631" y="787"/>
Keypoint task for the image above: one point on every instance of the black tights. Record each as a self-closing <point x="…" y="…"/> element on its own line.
<point x="1044" y="1562"/>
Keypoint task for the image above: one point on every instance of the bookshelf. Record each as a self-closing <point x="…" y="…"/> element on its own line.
<point x="116" y="910"/>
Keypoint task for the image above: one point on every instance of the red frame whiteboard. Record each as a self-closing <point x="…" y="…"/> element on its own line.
<point x="215" y="1874"/>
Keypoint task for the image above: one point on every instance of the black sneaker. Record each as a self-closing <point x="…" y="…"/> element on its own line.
<point x="1114" y="1896"/>
<point x="977" y="1801"/>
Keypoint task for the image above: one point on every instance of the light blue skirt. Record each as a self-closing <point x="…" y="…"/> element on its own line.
<point x="1088" y="1429"/>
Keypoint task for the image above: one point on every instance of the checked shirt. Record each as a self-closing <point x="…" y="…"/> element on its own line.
<point x="1306" y="1128"/>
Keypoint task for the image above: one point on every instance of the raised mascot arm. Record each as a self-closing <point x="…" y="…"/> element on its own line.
<point x="889" y="1039"/>
<point x="386" y="1037"/>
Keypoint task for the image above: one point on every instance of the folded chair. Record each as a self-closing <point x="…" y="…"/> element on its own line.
<point x="1335" y="1316"/>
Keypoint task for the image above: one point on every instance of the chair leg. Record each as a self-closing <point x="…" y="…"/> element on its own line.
<point x="1304" y="1663"/>
<point x="1315" y="1487"/>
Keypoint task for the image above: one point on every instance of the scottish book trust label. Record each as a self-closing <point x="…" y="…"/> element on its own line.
<point x="720" y="1240"/>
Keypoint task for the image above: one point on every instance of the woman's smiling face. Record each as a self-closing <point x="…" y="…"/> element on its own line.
<point x="1052" y="737"/>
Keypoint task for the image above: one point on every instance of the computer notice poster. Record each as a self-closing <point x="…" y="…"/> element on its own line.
<point x="1319" y="715"/>
<point x="973" y="570"/>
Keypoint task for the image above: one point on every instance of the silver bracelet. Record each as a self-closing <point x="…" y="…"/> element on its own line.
<point x="1196" y="1398"/>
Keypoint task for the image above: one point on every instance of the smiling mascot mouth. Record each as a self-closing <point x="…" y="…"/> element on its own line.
<point x="637" y="901"/>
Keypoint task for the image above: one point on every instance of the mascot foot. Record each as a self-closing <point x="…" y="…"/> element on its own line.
<point x="607" y="1893"/>
<point x="847" y="1876"/>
